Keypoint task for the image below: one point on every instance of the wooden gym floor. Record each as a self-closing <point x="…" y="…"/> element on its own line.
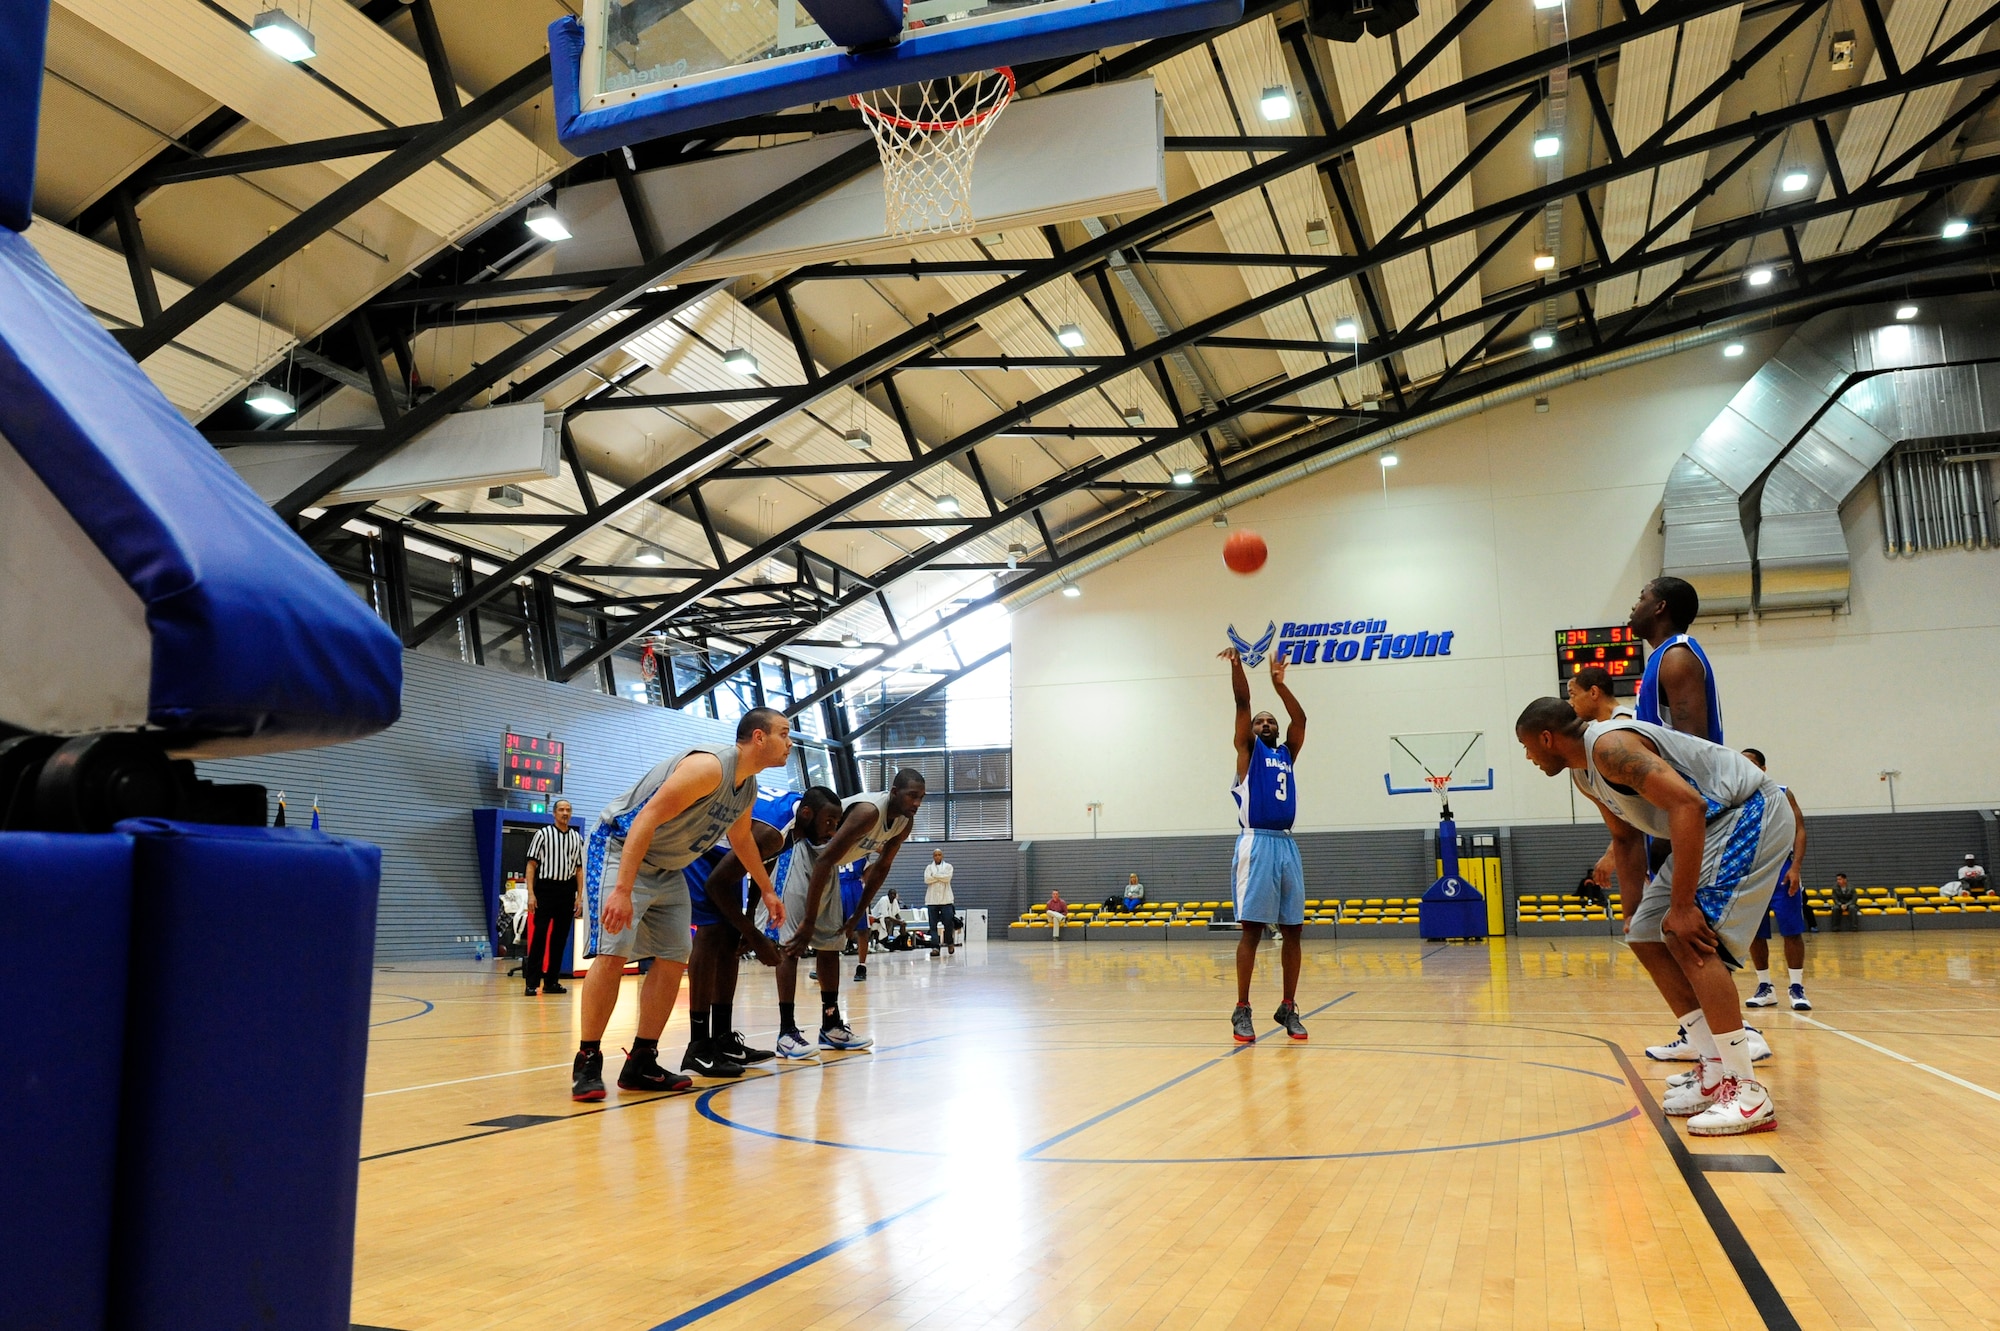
<point x="1064" y="1135"/>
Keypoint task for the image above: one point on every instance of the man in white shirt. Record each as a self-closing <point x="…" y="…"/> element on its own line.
<point x="1972" y="876"/>
<point x="888" y="913"/>
<point x="938" y="901"/>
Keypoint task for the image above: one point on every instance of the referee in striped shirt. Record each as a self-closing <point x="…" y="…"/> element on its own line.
<point x="555" y="897"/>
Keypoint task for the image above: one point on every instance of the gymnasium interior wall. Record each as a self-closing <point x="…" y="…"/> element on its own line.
<point x="1501" y="528"/>
<point x="411" y="789"/>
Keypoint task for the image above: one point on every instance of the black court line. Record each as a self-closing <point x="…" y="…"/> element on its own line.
<point x="1738" y="1164"/>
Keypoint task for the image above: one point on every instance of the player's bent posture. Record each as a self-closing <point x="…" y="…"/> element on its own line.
<point x="1788" y="907"/>
<point x="670" y="818"/>
<point x="725" y="928"/>
<point x="871" y="824"/>
<point x="1269" y="881"/>
<point x="1729" y="830"/>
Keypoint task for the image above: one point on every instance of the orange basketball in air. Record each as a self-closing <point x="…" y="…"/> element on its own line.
<point x="1244" y="552"/>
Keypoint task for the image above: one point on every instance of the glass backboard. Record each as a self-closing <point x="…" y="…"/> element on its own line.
<point x="1459" y="755"/>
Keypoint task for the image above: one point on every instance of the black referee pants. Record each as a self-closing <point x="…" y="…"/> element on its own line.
<point x="547" y="943"/>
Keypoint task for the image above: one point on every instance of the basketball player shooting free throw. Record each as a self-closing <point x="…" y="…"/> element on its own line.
<point x="1270" y="885"/>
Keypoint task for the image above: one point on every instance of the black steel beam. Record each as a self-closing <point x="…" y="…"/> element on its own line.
<point x="271" y="159"/>
<point x="133" y="241"/>
<point x="647" y="401"/>
<point x="435" y="58"/>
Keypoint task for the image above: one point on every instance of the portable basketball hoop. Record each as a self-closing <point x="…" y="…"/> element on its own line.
<point x="928" y="134"/>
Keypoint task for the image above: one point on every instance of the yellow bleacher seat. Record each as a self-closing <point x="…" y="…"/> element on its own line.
<point x="1916" y="910"/>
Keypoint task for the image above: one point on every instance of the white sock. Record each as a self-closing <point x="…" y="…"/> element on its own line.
<point x="1735" y="1046"/>
<point x="1696" y="1024"/>
<point x="1763" y="977"/>
<point x="1798" y="974"/>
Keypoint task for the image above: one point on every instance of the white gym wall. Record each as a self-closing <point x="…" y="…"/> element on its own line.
<point x="1501" y="528"/>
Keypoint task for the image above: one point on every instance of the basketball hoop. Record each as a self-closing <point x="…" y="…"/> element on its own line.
<point x="928" y="134"/>
<point x="1440" y="785"/>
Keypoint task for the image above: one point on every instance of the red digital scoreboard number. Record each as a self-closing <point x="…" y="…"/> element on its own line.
<point x="531" y="764"/>
<point x="1618" y="649"/>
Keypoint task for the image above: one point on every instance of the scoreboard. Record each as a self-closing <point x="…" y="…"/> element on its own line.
<point x="531" y="764"/>
<point x="1619" y="650"/>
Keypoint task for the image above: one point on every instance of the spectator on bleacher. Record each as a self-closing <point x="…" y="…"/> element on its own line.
<point x="888" y="912"/>
<point x="1971" y="879"/>
<point x="1135" y="893"/>
<point x="1592" y="891"/>
<point x="1058" y="913"/>
<point x="1846" y="903"/>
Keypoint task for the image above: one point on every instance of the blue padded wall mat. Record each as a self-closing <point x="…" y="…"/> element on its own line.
<point x="64" y="905"/>
<point x="247" y="1039"/>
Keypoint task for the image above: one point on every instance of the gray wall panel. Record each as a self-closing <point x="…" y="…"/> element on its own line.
<point x="411" y="789"/>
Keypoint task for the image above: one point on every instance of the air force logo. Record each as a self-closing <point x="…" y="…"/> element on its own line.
<point x="1254" y="656"/>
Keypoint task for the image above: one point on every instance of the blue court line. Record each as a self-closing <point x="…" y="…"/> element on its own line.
<point x="427" y="1008"/>
<point x="793" y="1267"/>
<point x="1631" y="1113"/>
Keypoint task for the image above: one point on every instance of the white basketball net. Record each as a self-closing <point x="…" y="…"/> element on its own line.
<point x="928" y="134"/>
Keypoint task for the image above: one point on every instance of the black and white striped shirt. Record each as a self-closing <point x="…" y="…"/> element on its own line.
<point x="557" y="853"/>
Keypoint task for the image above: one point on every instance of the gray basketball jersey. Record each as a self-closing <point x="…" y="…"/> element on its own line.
<point x="1720" y="775"/>
<point x="681" y="840"/>
<point x="878" y="836"/>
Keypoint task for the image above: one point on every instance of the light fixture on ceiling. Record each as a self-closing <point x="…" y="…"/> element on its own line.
<point x="547" y="223"/>
<point x="1072" y="591"/>
<point x="1347" y="331"/>
<point x="1840" y="51"/>
<point x="1016" y="552"/>
<point x="1070" y="336"/>
<point x="1541" y="404"/>
<point x="270" y="401"/>
<point x="740" y="360"/>
<point x="1906" y="312"/>
<point x="1388" y="458"/>
<point x="1759" y="277"/>
<point x="1545" y="263"/>
<point x="1733" y="350"/>
<point x="1183" y="477"/>
<point x="948" y="505"/>
<point x="1955" y="228"/>
<point x="1542" y="341"/>
<point x="1219" y="520"/>
<point x="1317" y="235"/>
<point x="1794" y="181"/>
<point x="1548" y="145"/>
<point x="849" y="640"/>
<point x="859" y="438"/>
<point x="507" y="496"/>
<point x="1548" y="4"/>
<point x="650" y="554"/>
<point x="1134" y="416"/>
<point x="1275" y="104"/>
<point x="283" y="36"/>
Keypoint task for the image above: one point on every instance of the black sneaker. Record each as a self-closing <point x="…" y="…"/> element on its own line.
<point x="1287" y="1016"/>
<point x="642" y="1072"/>
<point x="553" y="988"/>
<point x="736" y="1051"/>
<point x="586" y="1076"/>
<point x="532" y="991"/>
<point x="703" y="1059"/>
<point x="861" y="972"/>
<point x="1243" y="1027"/>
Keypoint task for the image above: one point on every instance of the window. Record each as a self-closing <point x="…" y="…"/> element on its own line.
<point x="505" y="640"/>
<point x="435" y="580"/>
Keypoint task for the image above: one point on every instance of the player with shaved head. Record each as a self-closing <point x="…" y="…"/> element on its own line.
<point x="1270" y="884"/>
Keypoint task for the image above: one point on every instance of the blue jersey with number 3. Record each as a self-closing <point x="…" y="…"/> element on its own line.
<point x="1267" y="796"/>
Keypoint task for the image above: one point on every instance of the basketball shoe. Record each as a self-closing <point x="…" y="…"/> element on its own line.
<point x="1694" y="1095"/>
<point x="840" y="1037"/>
<point x="791" y="1044"/>
<point x="1800" y="1003"/>
<point x="1677" y="1050"/>
<point x="586" y="1076"/>
<point x="1287" y="1016"/>
<point x="704" y="1059"/>
<point x="736" y="1050"/>
<point x="1766" y="996"/>
<point x="642" y="1072"/>
<point x="1241" y="1024"/>
<point x="1739" y="1106"/>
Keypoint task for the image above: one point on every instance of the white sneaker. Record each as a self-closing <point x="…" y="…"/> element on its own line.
<point x="1759" y="1050"/>
<point x="1739" y="1107"/>
<point x="1694" y="1095"/>
<point x="1692" y="1077"/>
<point x="840" y="1037"/>
<point x="1680" y="1051"/>
<point x="1766" y="996"/>
<point x="791" y="1045"/>
<point x="1800" y="1003"/>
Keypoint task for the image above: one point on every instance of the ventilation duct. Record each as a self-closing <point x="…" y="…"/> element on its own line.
<point x="1937" y="494"/>
<point x="1752" y="509"/>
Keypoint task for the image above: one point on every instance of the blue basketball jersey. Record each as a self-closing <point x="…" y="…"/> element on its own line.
<point x="1267" y="796"/>
<point x="777" y="809"/>
<point x="1647" y="707"/>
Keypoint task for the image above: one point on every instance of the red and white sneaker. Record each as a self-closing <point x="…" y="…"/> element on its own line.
<point x="1739" y="1106"/>
<point x="1695" y="1091"/>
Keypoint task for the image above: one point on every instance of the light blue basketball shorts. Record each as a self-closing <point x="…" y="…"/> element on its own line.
<point x="1270" y="881"/>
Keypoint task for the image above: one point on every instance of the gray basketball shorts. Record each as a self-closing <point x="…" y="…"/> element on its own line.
<point x="794" y="873"/>
<point x="662" y="918"/>
<point x="1741" y="858"/>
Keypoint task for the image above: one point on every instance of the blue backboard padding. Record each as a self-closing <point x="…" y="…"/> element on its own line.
<point x="857" y="22"/>
<point x="241" y="1129"/>
<point x="256" y="642"/>
<point x="1044" y="33"/>
<point x="65" y="903"/>
<point x="24" y="32"/>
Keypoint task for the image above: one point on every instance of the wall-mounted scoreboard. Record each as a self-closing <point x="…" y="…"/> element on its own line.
<point x="1619" y="650"/>
<point x="531" y="764"/>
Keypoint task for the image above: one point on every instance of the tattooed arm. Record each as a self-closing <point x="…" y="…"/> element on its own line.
<point x="1626" y="759"/>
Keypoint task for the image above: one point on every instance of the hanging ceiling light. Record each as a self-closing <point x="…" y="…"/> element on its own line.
<point x="1219" y="520"/>
<point x="1794" y="181"/>
<point x="849" y="640"/>
<point x="859" y="438"/>
<point x="1906" y="312"/>
<point x="1542" y="341"/>
<point x="1548" y="145"/>
<point x="1183" y="477"/>
<point x="1759" y="277"/>
<point x="948" y="505"/>
<point x="740" y="360"/>
<point x="1317" y="235"/>
<point x="1388" y="458"/>
<point x="547" y="223"/>
<point x="1275" y="104"/>
<point x="1733" y="350"/>
<point x="1347" y="331"/>
<point x="283" y="36"/>
<point x="1134" y="417"/>
<point x="271" y="401"/>
<point x="1072" y="591"/>
<point x="650" y="554"/>
<point x="1070" y="336"/>
<point x="1016" y="552"/>
<point x="1955" y="228"/>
